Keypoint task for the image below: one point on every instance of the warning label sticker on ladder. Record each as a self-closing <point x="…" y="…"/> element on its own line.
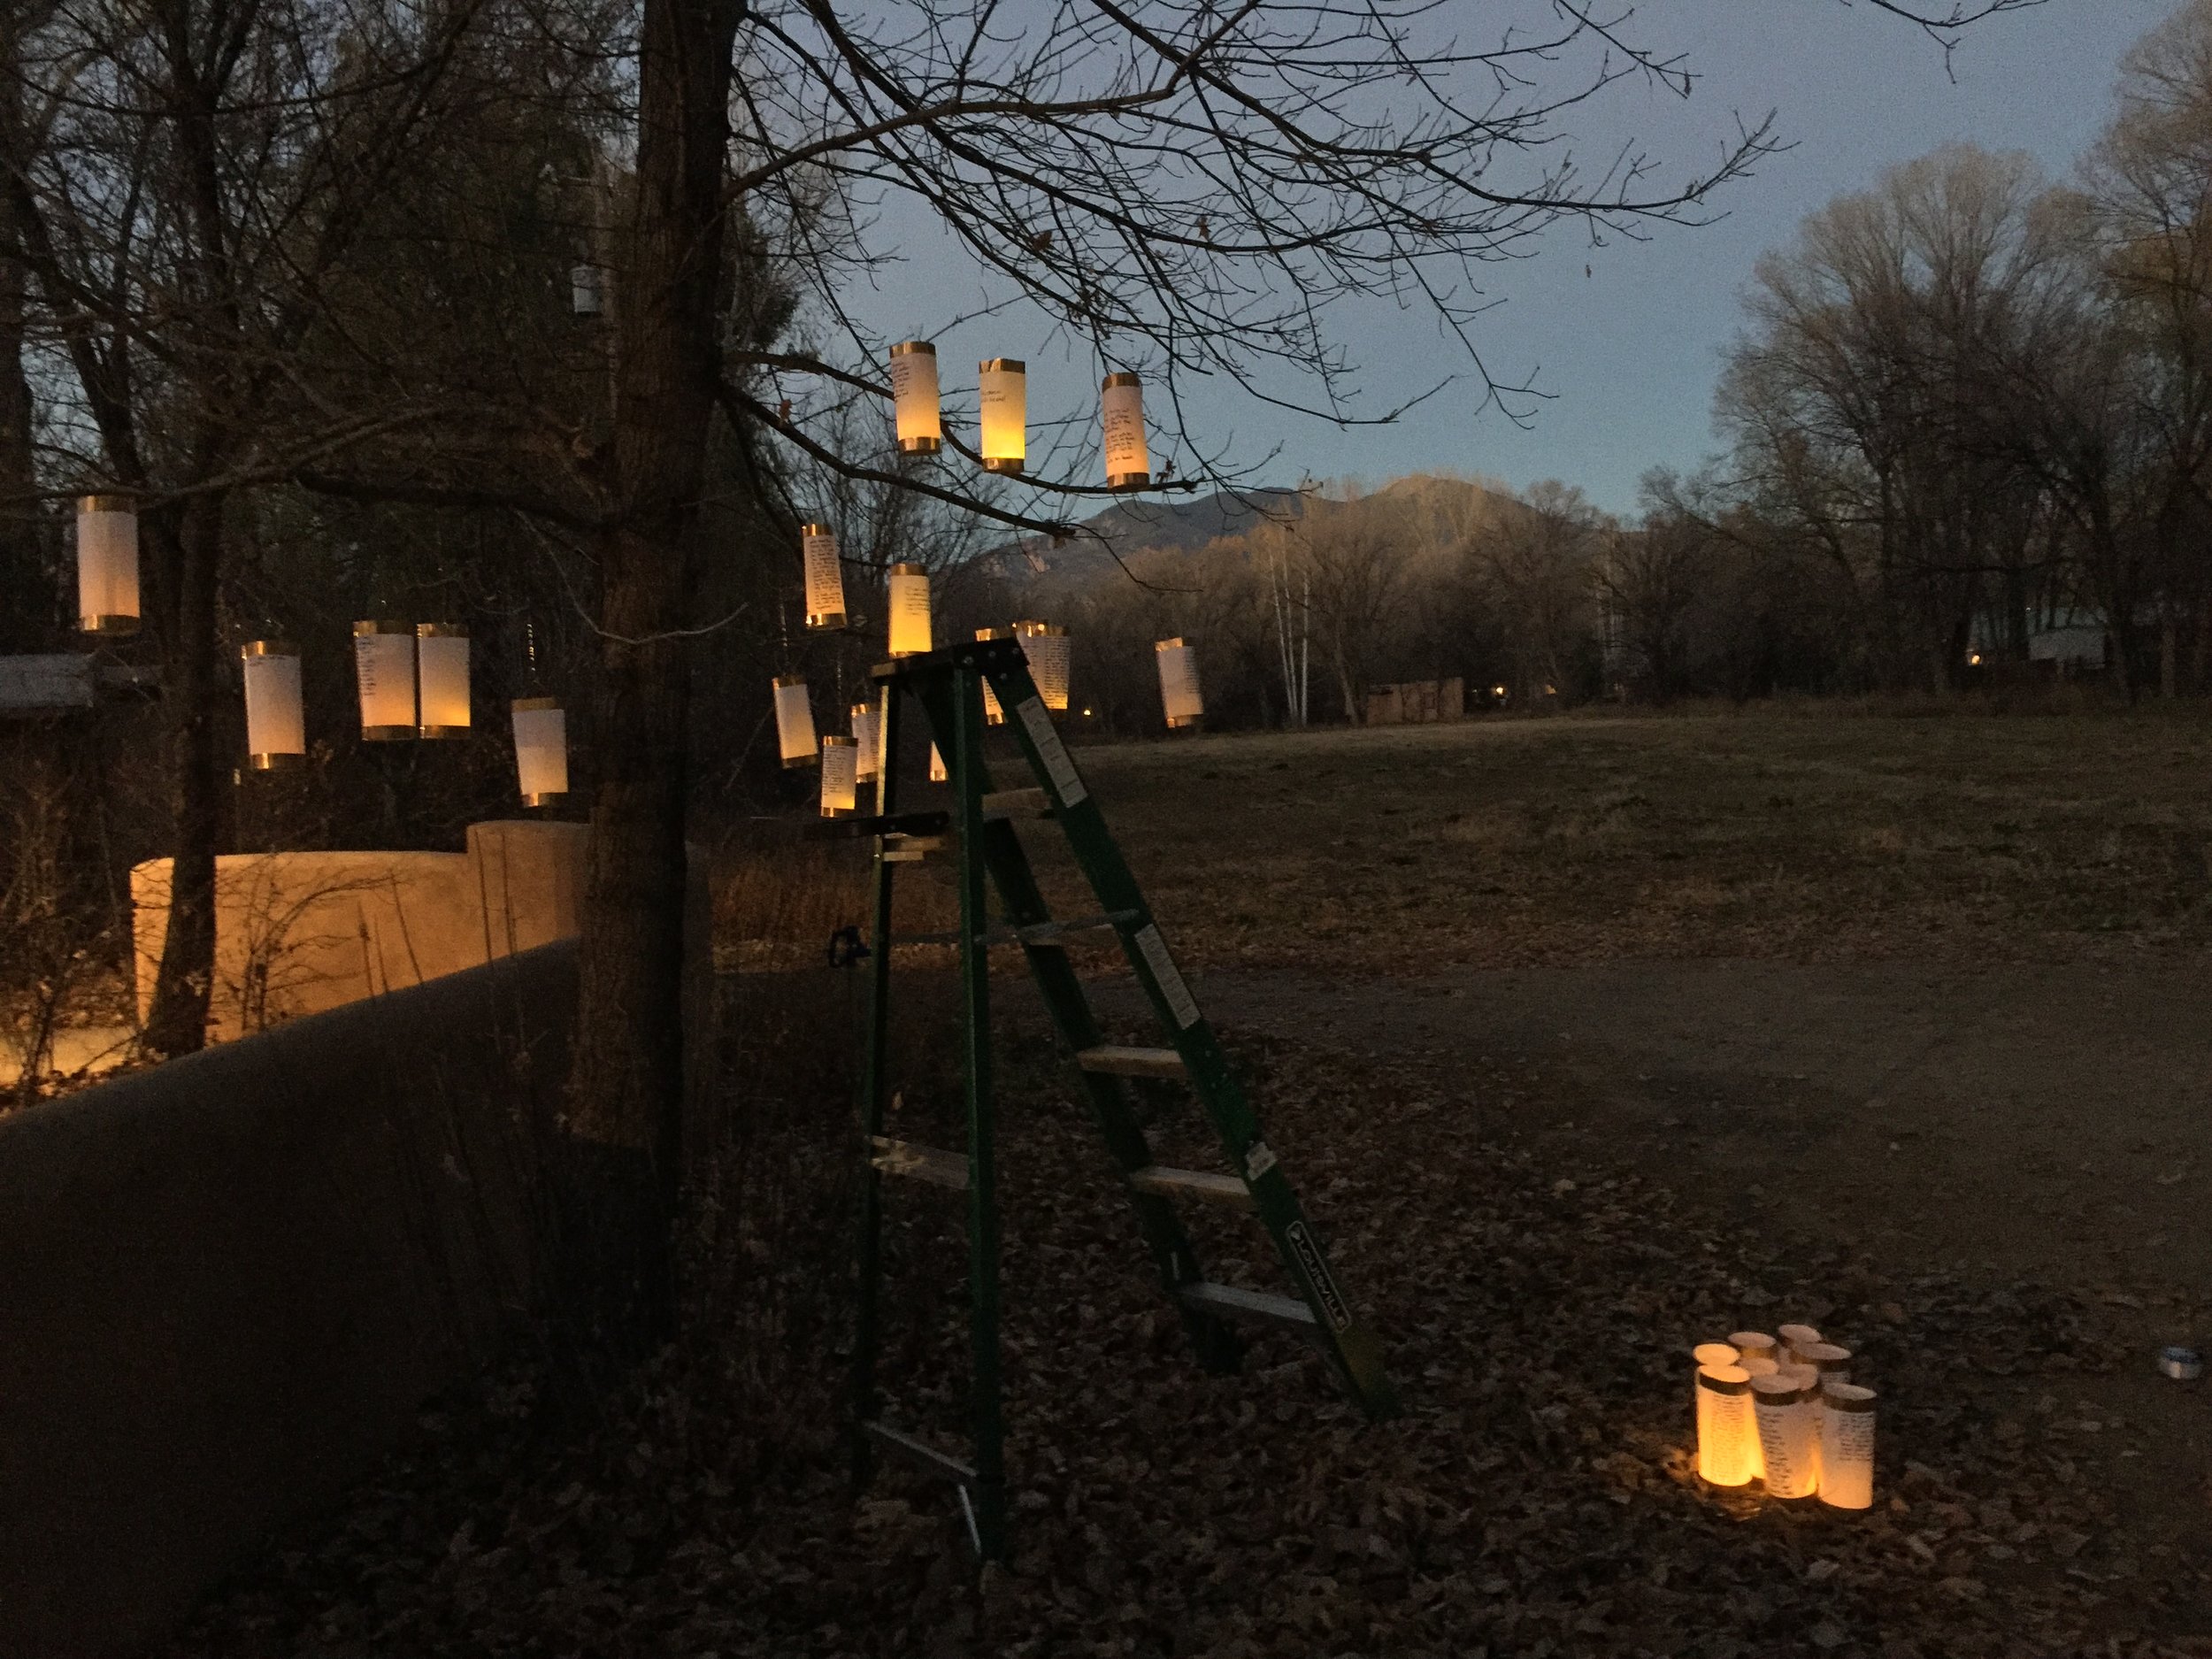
<point x="1164" y="976"/>
<point x="1053" y="752"/>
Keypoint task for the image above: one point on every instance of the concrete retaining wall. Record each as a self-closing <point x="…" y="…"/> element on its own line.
<point x="227" y="1283"/>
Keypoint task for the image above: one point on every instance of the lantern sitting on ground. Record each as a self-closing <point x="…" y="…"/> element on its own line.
<point x="1179" y="683"/>
<point x="1789" y="1436"/>
<point x="1003" y="401"/>
<point x="441" y="667"/>
<point x="384" y="670"/>
<point x="795" y="723"/>
<point x="107" y="564"/>
<point x="1048" y="652"/>
<point x="276" y="729"/>
<point x="840" y="777"/>
<point x="910" y="633"/>
<point x="541" y="749"/>
<point x="1128" y="459"/>
<point x="825" y="577"/>
<point x="1727" y="1438"/>
<point x="1846" y="1447"/>
<point x="914" y="397"/>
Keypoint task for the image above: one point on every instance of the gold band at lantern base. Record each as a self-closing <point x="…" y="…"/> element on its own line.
<point x="438" y="732"/>
<point x="797" y="761"/>
<point x="388" y="734"/>
<point x="107" y="624"/>
<point x="922" y="446"/>
<point x="1001" y="464"/>
<point x="1128" y="480"/>
<point x="546" y="799"/>
<point x="838" y="811"/>
<point x="1176" y="723"/>
<point x="276" y="762"/>
<point x="829" y="621"/>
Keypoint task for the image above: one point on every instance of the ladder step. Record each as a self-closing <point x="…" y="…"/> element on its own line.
<point x="1221" y="1189"/>
<point x="921" y="1454"/>
<point x="924" y="1163"/>
<point x="1120" y="1062"/>
<point x="1010" y="803"/>
<point x="1248" y="1304"/>
<point x="1035" y="933"/>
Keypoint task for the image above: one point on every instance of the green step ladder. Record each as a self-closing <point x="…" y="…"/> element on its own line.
<point x="978" y="835"/>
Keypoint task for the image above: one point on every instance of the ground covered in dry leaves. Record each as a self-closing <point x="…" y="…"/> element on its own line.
<point x="1534" y="1499"/>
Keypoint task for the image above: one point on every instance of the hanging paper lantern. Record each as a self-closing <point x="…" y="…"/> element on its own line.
<point x="937" y="772"/>
<point x="107" y="564"/>
<point x="992" y="715"/>
<point x="276" y="729"/>
<point x="840" y="777"/>
<point x="1049" y="651"/>
<point x="1128" y="459"/>
<point x="587" y="290"/>
<point x="794" y="723"/>
<point x="442" y="669"/>
<point x="384" y="667"/>
<point x="541" y="749"/>
<point x="1726" y="1435"/>
<point x="1846" y="1447"/>
<point x="1179" y="683"/>
<point x="910" y="610"/>
<point x="1789" y="1436"/>
<point x="1003" y="400"/>
<point x="864" y="736"/>
<point x="825" y="577"/>
<point x="914" y="396"/>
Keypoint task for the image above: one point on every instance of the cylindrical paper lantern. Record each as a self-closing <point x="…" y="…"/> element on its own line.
<point x="1713" y="1354"/>
<point x="1832" y="1362"/>
<point x="1726" y="1437"/>
<point x="992" y="715"/>
<point x="825" y="577"/>
<point x="107" y="564"/>
<point x="441" y="668"/>
<point x="541" y="749"/>
<point x="1128" y="460"/>
<point x="914" y="396"/>
<point x="840" y="777"/>
<point x="1759" y="1365"/>
<point x="587" y="290"/>
<point x="910" y="610"/>
<point x="1179" y="683"/>
<point x="276" y="730"/>
<point x="1002" y="399"/>
<point x="864" y="736"/>
<point x="937" y="772"/>
<point x="1048" y="652"/>
<point x="794" y="723"/>
<point x="384" y="669"/>
<point x="1789" y="1436"/>
<point x="1795" y="1337"/>
<point x="1846" y="1447"/>
<point x="1755" y="1345"/>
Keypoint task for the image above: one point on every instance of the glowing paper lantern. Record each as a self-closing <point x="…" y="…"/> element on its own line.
<point x="1003" y="400"/>
<point x="937" y="772"/>
<point x="864" y="734"/>
<point x="825" y="577"/>
<point x="541" y="749"/>
<point x="1789" y="1436"/>
<point x="1048" y="652"/>
<point x="1727" y="1436"/>
<point x="794" y="723"/>
<point x="910" y="611"/>
<point x="1759" y="1365"/>
<point x="587" y="290"/>
<point x="992" y="715"/>
<point x="1846" y="1447"/>
<point x="1832" y="1362"/>
<point x="441" y="668"/>
<point x="107" y="564"/>
<point x="1755" y="1345"/>
<point x="384" y="669"/>
<point x="1179" y="683"/>
<point x="1795" y="1339"/>
<point x="276" y="728"/>
<point x="914" y="397"/>
<point x="840" y="777"/>
<point x="1128" y="460"/>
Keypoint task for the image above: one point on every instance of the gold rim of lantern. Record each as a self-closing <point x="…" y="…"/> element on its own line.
<point x="364" y="630"/>
<point x="1120" y="377"/>
<point x="285" y="761"/>
<point x="107" y="624"/>
<point x="525" y="705"/>
<point x="442" y="629"/>
<point x="107" y="503"/>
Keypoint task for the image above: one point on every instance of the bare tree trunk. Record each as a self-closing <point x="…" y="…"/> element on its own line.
<point x="626" y="1087"/>
<point x="21" y="574"/>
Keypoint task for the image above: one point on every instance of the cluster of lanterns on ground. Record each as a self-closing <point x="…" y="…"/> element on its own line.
<point x="1783" y="1410"/>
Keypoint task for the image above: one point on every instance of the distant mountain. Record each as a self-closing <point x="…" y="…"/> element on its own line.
<point x="1127" y="527"/>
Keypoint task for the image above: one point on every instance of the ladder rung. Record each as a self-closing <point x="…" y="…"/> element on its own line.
<point x="1221" y="1189"/>
<point x="1034" y="934"/>
<point x="1005" y="803"/>
<point x="1120" y="1062"/>
<point x="1248" y="1304"/>
<point x="924" y="1163"/>
<point x="920" y="843"/>
<point x="921" y="1454"/>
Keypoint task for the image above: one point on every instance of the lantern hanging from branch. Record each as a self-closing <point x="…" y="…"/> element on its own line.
<point x="914" y="397"/>
<point x="1727" y="1440"/>
<point x="840" y="776"/>
<point x="1789" y="1436"/>
<point x="276" y="728"/>
<point x="1003" y="401"/>
<point x="825" y="577"/>
<point x="1179" y="683"/>
<point x="794" y="723"/>
<point x="541" y="749"/>
<point x="384" y="669"/>
<point x="864" y="734"/>
<point x="910" y="611"/>
<point x="107" y="564"/>
<point x="442" y="669"/>
<point x="587" y="289"/>
<point x="1048" y="652"/>
<point x="992" y="715"/>
<point x="1128" y="459"/>
<point x="1846" y="1447"/>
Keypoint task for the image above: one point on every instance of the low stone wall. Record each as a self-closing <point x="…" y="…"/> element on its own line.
<point x="227" y="1283"/>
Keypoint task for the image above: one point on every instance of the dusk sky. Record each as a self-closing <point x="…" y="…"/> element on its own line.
<point x="1629" y="351"/>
